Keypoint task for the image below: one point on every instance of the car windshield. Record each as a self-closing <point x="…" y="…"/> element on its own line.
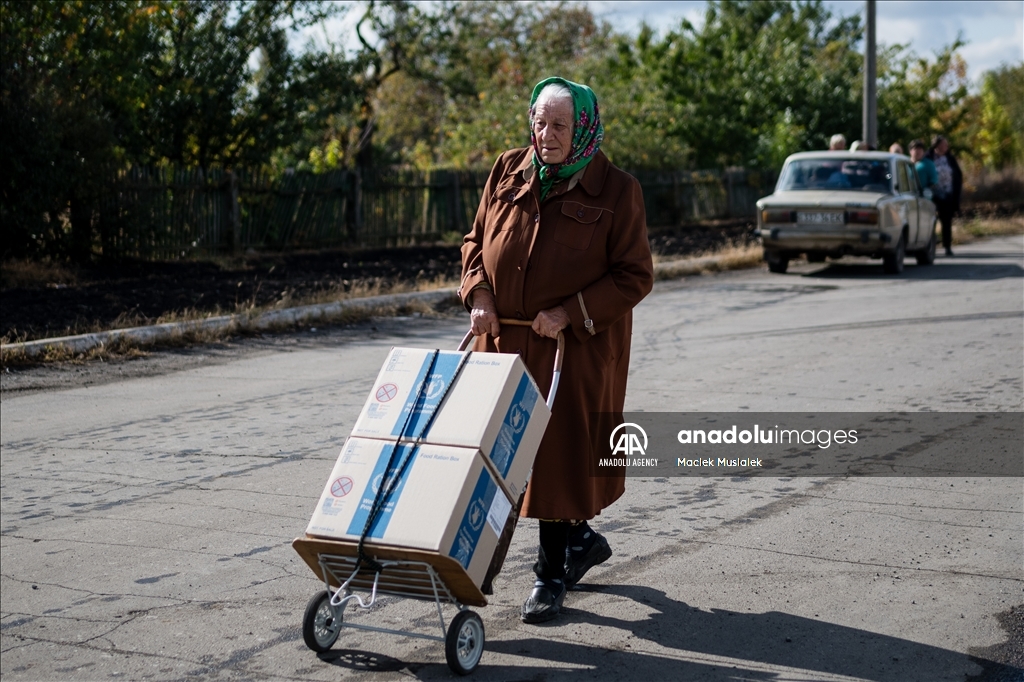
<point x="868" y="175"/>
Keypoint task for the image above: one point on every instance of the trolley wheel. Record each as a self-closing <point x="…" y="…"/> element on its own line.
<point x="321" y="622"/>
<point x="464" y="643"/>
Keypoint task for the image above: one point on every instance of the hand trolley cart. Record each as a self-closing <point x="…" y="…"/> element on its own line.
<point x="347" y="568"/>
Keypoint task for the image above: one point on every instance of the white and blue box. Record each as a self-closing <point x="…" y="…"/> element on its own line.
<point x="493" y="406"/>
<point x="445" y="500"/>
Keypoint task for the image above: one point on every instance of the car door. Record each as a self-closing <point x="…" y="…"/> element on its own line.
<point x="925" y="211"/>
<point x="906" y="188"/>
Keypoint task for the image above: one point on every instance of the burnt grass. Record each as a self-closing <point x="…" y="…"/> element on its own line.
<point x="105" y="295"/>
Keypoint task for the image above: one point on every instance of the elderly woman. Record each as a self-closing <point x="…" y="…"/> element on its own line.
<point x="560" y="238"/>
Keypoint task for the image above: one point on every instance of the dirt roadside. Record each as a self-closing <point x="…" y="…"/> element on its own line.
<point x="66" y="375"/>
<point x="41" y="301"/>
<point x="115" y="296"/>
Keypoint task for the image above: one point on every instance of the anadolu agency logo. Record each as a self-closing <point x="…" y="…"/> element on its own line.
<point x="628" y="440"/>
<point x="628" y="443"/>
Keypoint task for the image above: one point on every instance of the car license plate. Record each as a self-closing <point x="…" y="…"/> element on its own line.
<point x="820" y="217"/>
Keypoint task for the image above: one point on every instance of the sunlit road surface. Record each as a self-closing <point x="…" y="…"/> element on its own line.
<point x="146" y="523"/>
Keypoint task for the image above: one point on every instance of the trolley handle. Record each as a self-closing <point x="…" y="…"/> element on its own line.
<point x="559" y="353"/>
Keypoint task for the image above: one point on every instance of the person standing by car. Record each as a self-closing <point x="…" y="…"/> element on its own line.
<point x="926" y="173"/>
<point x="950" y="183"/>
<point x="837" y="143"/>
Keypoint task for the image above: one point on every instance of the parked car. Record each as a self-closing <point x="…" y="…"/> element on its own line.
<point x="831" y="204"/>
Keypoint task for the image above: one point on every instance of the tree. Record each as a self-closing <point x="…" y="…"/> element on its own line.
<point x="640" y="119"/>
<point x="87" y="86"/>
<point x="467" y="71"/>
<point x="918" y="97"/>
<point x="760" y="80"/>
<point x="999" y="137"/>
<point x="74" y="78"/>
<point x="209" y="106"/>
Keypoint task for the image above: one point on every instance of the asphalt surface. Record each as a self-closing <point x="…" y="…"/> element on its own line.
<point x="147" y="507"/>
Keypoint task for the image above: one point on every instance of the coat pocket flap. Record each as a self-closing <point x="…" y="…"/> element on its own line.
<point x="581" y="213"/>
<point x="511" y="192"/>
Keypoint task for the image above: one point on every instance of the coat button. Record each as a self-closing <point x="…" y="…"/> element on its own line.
<point x="511" y="196"/>
<point x="536" y="217"/>
<point x="580" y="213"/>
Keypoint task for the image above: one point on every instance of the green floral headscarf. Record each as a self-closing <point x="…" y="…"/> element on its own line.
<point x="587" y="134"/>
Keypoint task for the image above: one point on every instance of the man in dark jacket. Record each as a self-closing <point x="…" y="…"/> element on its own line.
<point x="947" y="192"/>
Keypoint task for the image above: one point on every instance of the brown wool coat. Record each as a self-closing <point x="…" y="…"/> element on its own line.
<point x="590" y="238"/>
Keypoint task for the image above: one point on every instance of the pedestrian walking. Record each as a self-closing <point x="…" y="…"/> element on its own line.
<point x="561" y="238"/>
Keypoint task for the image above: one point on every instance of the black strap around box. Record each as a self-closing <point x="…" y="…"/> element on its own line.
<point x="389" y="483"/>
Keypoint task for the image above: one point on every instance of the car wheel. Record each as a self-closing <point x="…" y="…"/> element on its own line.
<point x="892" y="263"/>
<point x="815" y="258"/>
<point x="776" y="262"/>
<point x="926" y="256"/>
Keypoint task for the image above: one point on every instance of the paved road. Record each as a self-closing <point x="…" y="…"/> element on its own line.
<point x="146" y="522"/>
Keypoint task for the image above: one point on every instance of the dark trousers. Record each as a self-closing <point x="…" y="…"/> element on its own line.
<point x="554" y="538"/>
<point x="944" y="208"/>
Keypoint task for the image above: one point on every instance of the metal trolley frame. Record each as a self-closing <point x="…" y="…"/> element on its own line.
<point x="463" y="639"/>
<point x="408" y="578"/>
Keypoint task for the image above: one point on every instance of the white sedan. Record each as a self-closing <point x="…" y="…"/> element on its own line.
<point x="831" y="204"/>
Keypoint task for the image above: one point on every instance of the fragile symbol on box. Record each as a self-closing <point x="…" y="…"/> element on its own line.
<point x="341" y="487"/>
<point x="386" y="392"/>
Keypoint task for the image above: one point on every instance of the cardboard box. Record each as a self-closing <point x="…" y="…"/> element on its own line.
<point x="446" y="500"/>
<point x="493" y="405"/>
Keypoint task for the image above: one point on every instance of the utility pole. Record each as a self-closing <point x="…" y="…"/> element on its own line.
<point x="870" y="118"/>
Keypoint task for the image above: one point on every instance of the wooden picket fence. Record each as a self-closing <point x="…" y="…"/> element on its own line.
<point x="173" y="212"/>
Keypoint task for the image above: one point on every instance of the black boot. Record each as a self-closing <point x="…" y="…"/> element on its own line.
<point x="549" y="590"/>
<point x="586" y="548"/>
<point x="545" y="601"/>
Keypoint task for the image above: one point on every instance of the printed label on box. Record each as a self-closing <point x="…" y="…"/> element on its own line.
<point x="498" y="513"/>
<point x="379" y="480"/>
<point x="474" y="519"/>
<point x="423" y="405"/>
<point x="513" y="426"/>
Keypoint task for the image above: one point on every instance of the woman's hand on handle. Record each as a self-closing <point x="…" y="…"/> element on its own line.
<point x="549" y="322"/>
<point x="484" y="315"/>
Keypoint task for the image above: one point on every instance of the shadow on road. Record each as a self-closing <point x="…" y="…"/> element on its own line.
<point x="762" y="639"/>
<point x="977" y="270"/>
<point x="361" y="660"/>
<point x="980" y="255"/>
<point x="679" y="642"/>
